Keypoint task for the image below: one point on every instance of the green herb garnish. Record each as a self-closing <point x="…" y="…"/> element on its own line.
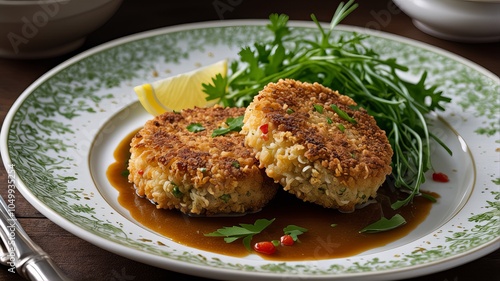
<point x="347" y="64"/>
<point x="384" y="224"/>
<point x="318" y="108"/>
<point x="234" y="124"/>
<point x="218" y="86"/>
<point x="195" y="127"/>
<point x="343" y="114"/>
<point x="294" y="231"/>
<point x="245" y="231"/>
<point x="225" y="197"/>
<point x="177" y="192"/>
<point x="341" y="127"/>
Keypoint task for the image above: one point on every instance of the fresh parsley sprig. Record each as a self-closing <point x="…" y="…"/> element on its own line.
<point x="345" y="64"/>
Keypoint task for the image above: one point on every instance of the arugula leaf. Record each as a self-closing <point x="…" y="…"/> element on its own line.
<point x="384" y="224"/>
<point x="234" y="124"/>
<point x="195" y="127"/>
<point x="245" y="231"/>
<point x="294" y="231"/>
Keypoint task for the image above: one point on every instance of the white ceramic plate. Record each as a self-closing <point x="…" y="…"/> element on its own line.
<point x="61" y="133"/>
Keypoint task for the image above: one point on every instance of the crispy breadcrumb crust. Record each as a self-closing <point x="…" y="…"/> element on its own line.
<point x="313" y="152"/>
<point x="193" y="171"/>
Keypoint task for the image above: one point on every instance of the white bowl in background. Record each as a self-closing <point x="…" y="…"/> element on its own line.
<point x="47" y="28"/>
<point x="472" y="21"/>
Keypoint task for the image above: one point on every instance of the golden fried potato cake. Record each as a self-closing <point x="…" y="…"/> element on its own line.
<point x="317" y="144"/>
<point x="189" y="170"/>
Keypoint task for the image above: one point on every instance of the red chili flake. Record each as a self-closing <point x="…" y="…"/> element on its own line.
<point x="265" y="247"/>
<point x="265" y="137"/>
<point x="264" y="128"/>
<point x="440" y="177"/>
<point x="140" y="172"/>
<point x="286" y="240"/>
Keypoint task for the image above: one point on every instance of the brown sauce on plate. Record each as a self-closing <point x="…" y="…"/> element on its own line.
<point x="330" y="234"/>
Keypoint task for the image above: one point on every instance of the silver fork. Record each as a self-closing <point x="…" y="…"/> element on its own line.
<point x="21" y="254"/>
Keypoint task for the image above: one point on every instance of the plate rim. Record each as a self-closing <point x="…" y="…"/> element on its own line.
<point x="103" y="243"/>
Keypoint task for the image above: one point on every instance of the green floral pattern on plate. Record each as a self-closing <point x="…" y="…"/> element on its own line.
<point x="44" y="137"/>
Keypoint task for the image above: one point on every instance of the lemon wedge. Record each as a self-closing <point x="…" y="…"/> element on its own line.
<point x="181" y="91"/>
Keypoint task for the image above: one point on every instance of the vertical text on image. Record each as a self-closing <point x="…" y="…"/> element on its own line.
<point x="11" y="208"/>
<point x="11" y="189"/>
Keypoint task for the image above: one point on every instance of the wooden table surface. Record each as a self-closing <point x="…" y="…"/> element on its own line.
<point x="84" y="261"/>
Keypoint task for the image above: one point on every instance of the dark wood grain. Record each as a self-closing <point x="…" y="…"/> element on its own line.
<point x="84" y="261"/>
